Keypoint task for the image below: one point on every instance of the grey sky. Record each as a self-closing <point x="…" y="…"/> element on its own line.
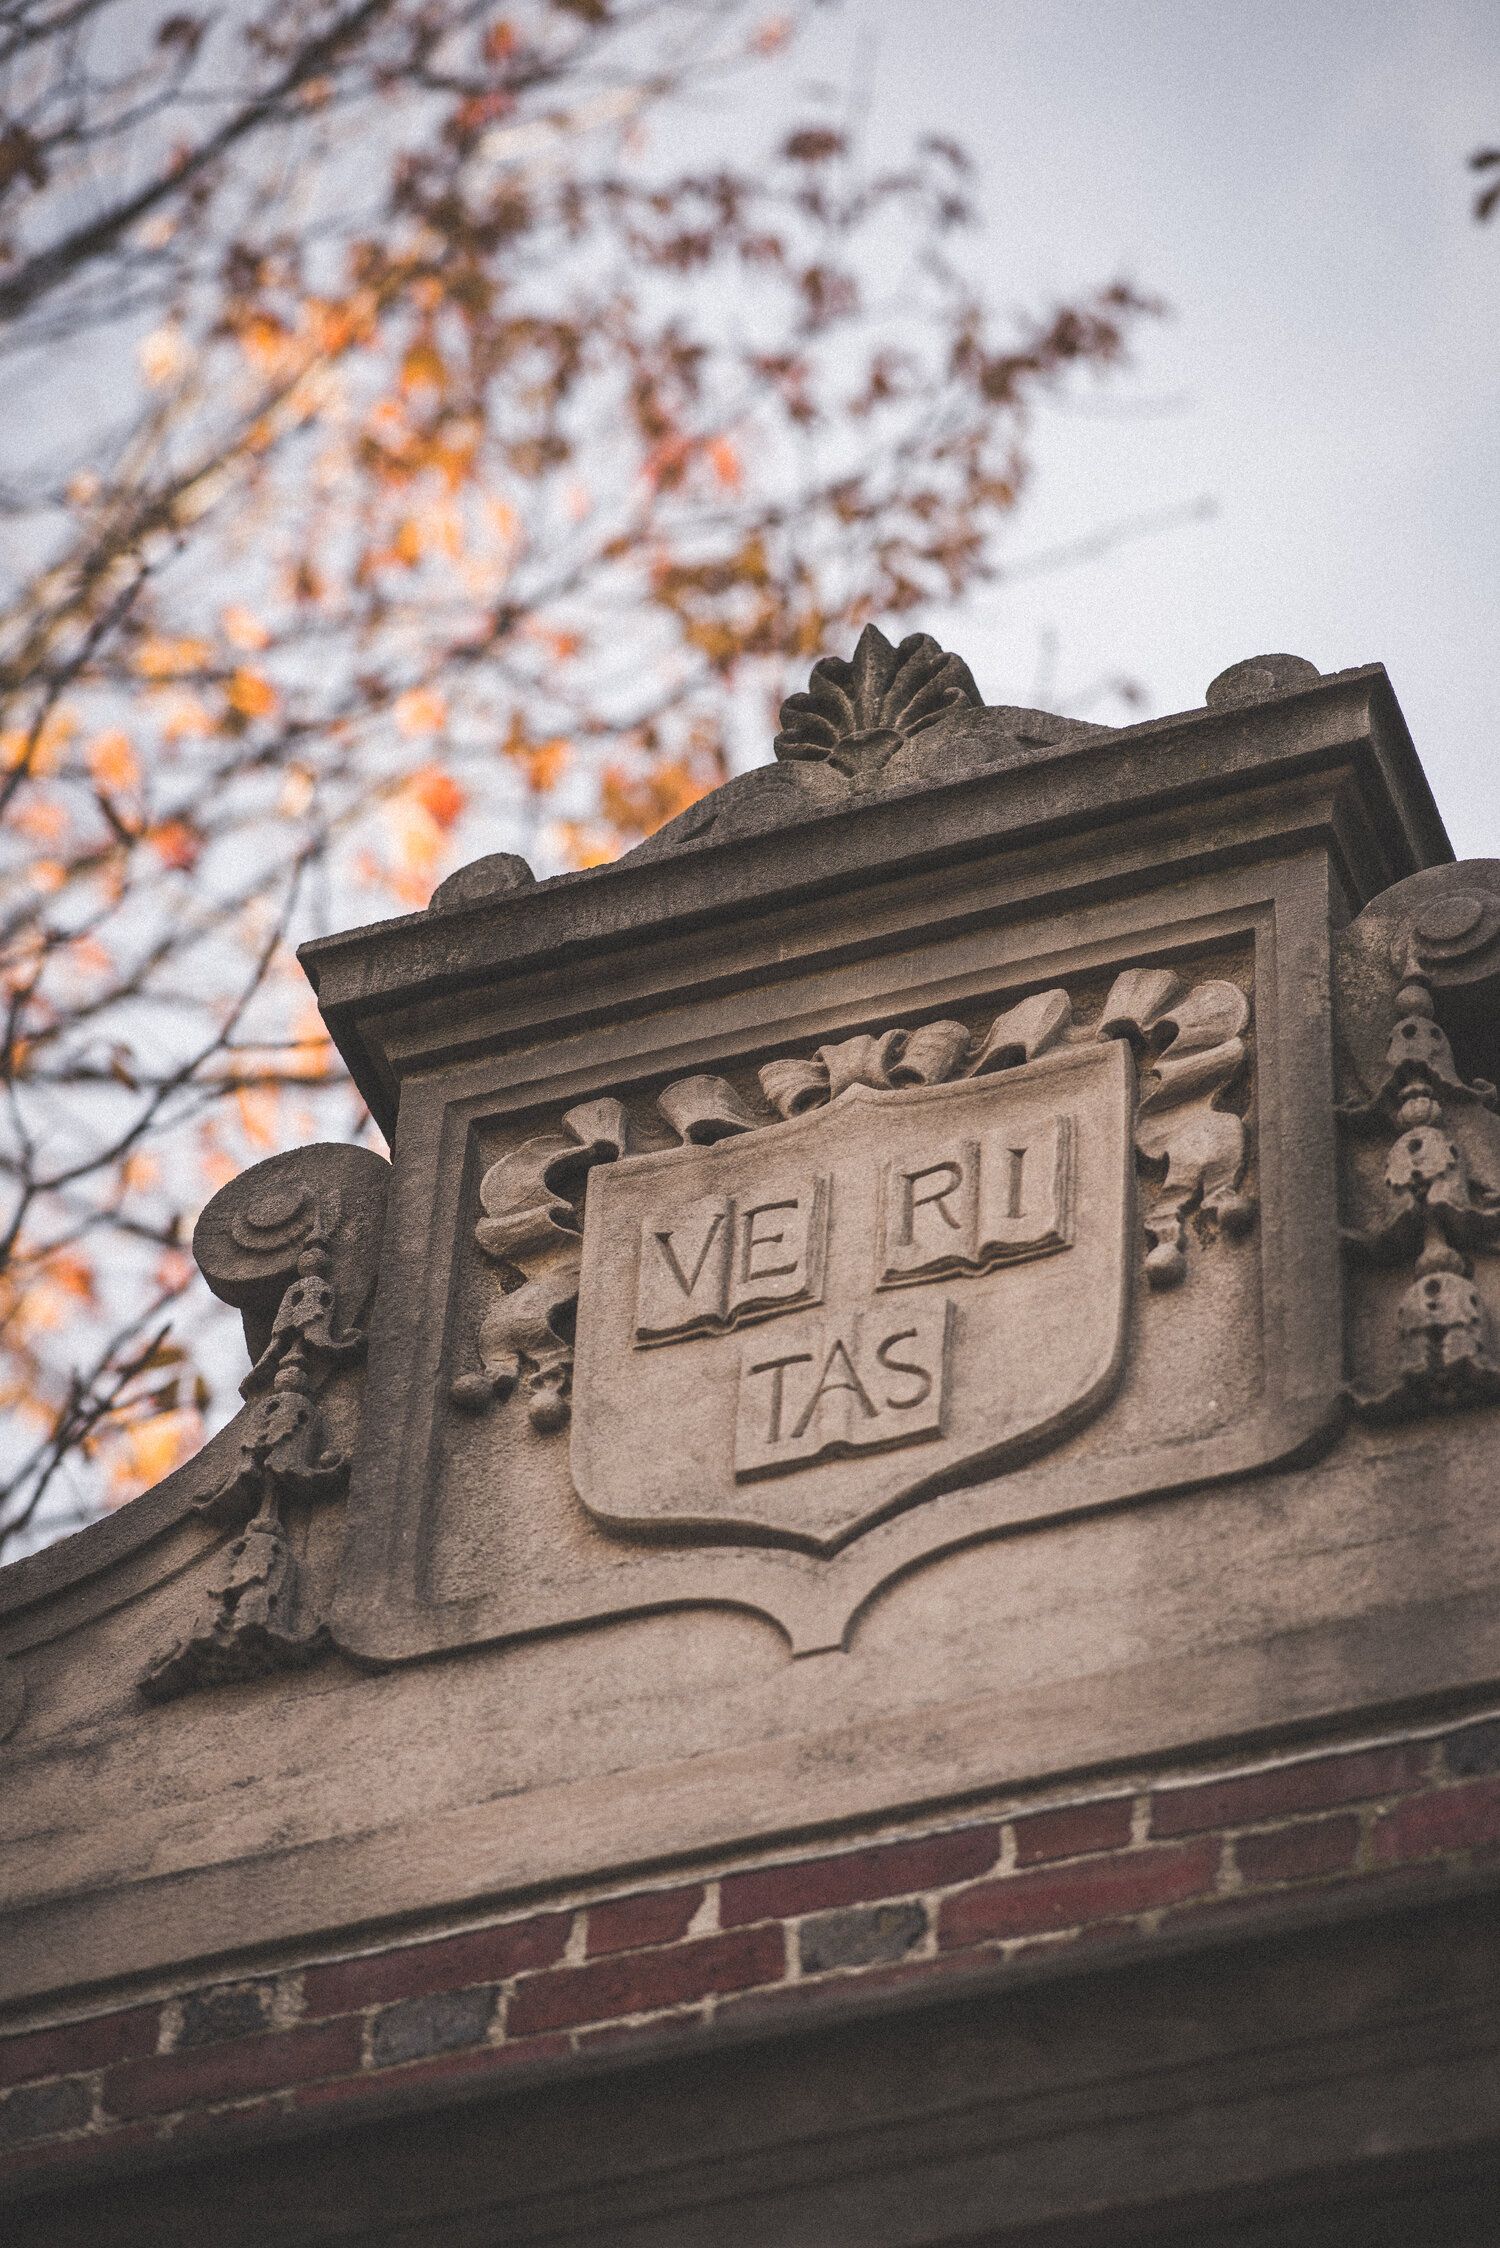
<point x="1291" y="179"/>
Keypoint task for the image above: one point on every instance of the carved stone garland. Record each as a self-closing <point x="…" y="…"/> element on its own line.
<point x="260" y="1231"/>
<point x="1194" y="1048"/>
<point x="1437" y="1212"/>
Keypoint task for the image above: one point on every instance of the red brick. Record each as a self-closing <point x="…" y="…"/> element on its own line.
<point x="480" y="2060"/>
<point x="638" y="1982"/>
<point x="55" y="2153"/>
<point x="483" y="1955"/>
<point x="618" y="2033"/>
<point x="1098" y="1934"/>
<point x="1453" y="1818"/>
<point x="654" y="1916"/>
<point x="828" y="1994"/>
<point x="892" y="1869"/>
<point x="221" y="2072"/>
<point x="1318" y="1784"/>
<point x="1028" y="1904"/>
<point x="1073" y="1830"/>
<point x="74" y="2047"/>
<point x="1243" y="1908"/>
<point x="225" y="2122"/>
<point x="1298" y="1853"/>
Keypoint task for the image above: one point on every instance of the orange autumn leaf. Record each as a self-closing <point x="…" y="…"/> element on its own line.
<point x="421" y="710"/>
<point x="175" y="843"/>
<point x="251" y="695"/>
<point x="724" y="460"/>
<point x="639" y="804"/>
<point x="544" y="764"/>
<point x="264" y="342"/>
<point x="422" y="367"/>
<point x="73" y="1274"/>
<point x="113" y="762"/>
<point x="175" y="1269"/>
<point x="258" y="1107"/>
<point x="184" y="716"/>
<point x="243" y="629"/>
<point x="142" y="1455"/>
<point x="37" y="748"/>
<point x="439" y="795"/>
<point x="42" y="818"/>
<point x="297" y="792"/>
<point x="160" y="658"/>
<point x="584" y="845"/>
<point x="771" y="36"/>
<point x="51" y="1295"/>
<point x="313" y="1051"/>
<point x="90" y="957"/>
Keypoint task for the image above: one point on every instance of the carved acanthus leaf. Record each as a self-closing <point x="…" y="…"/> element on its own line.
<point x="533" y="1202"/>
<point x="1181" y="1125"/>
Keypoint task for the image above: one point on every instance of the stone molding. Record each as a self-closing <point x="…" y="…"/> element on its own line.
<point x="1121" y="1868"/>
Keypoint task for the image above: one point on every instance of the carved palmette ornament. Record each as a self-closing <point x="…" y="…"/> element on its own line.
<point x="1190" y="1044"/>
<point x="855" y="715"/>
<point x="294" y="1245"/>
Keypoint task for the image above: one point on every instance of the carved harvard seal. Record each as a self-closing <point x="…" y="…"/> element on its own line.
<point x="788" y="1334"/>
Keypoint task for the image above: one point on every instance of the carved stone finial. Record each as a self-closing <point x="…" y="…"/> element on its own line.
<point x="856" y="715"/>
<point x="1426" y="1184"/>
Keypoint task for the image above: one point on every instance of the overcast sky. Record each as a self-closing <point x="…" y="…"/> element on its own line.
<point x="1292" y="179"/>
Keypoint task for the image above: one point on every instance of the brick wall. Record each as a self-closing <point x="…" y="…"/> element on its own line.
<point x="1120" y="1860"/>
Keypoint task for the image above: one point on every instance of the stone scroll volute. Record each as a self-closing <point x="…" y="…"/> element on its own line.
<point x="294" y="1244"/>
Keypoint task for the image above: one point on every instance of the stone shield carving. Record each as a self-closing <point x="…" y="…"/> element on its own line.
<point x="788" y="1335"/>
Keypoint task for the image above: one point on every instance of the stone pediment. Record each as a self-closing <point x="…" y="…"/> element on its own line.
<point x="891" y="718"/>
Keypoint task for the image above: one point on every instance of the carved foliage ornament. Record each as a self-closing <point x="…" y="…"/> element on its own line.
<point x="1191" y="1042"/>
<point x="1440" y="1183"/>
<point x="293" y="1243"/>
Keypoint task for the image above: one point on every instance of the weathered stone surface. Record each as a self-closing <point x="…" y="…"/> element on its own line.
<point x="860" y="1937"/>
<point x="989" y="1122"/>
<point x="490" y="877"/>
<point x="38" y="2111"/>
<point x="230" y="2010"/>
<point x="440" y="2023"/>
<point x="1258" y="678"/>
